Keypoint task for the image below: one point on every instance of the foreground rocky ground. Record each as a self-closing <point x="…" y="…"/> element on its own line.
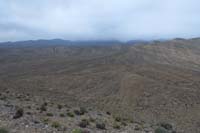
<point x="25" y="113"/>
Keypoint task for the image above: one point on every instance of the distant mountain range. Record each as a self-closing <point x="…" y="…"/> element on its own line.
<point x="68" y="42"/>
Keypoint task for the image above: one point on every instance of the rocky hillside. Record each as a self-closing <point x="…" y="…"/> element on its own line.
<point x="144" y="85"/>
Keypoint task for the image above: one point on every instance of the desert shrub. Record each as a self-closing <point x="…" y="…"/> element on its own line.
<point x="56" y="124"/>
<point x="118" y="119"/>
<point x="60" y="106"/>
<point x="19" y="113"/>
<point x="70" y="114"/>
<point x="91" y="119"/>
<point x="137" y="127"/>
<point x="45" y="120"/>
<point x="29" y="107"/>
<point x="43" y="108"/>
<point x="77" y="112"/>
<point x="116" y="126"/>
<point x="123" y="123"/>
<point x="166" y="125"/>
<point x="28" y="113"/>
<point x="83" y="110"/>
<point x="80" y="111"/>
<point x="49" y="114"/>
<point x="62" y="115"/>
<point x="161" y="130"/>
<point x="3" y="130"/>
<point x="84" y="123"/>
<point x="131" y="120"/>
<point x="3" y="98"/>
<point x="100" y="125"/>
<point x="108" y="113"/>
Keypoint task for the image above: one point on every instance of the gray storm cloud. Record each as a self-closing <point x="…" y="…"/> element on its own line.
<point x="98" y="19"/>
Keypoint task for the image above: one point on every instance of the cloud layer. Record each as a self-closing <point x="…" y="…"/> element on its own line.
<point x="98" y="19"/>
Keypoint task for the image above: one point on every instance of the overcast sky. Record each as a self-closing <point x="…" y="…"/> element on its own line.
<point x="98" y="19"/>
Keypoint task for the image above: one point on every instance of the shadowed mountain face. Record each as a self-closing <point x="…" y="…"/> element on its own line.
<point x="155" y="82"/>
